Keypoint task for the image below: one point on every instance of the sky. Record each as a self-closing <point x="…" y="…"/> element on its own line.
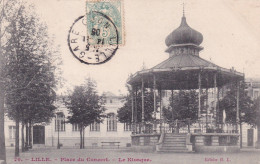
<point x="231" y="31"/>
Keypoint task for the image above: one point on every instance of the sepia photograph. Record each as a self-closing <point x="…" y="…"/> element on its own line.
<point x="129" y="81"/>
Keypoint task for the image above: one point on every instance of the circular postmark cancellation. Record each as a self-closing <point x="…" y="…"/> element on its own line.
<point x="93" y="38"/>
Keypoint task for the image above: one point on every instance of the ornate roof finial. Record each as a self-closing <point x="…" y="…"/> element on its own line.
<point x="184" y="34"/>
<point x="183" y="8"/>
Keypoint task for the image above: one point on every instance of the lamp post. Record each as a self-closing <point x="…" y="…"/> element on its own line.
<point x="59" y="115"/>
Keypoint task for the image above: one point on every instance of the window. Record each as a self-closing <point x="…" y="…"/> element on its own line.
<point x="60" y="122"/>
<point x="95" y="127"/>
<point x="12" y="130"/>
<point x="111" y="101"/>
<point x="127" y="127"/>
<point x="111" y="122"/>
<point x="75" y="127"/>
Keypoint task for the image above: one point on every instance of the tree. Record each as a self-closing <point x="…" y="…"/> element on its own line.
<point x="125" y="112"/>
<point x="183" y="105"/>
<point x="30" y="70"/>
<point x="7" y="13"/>
<point x="85" y="107"/>
<point x="247" y="111"/>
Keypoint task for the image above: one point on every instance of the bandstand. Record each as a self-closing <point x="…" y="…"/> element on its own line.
<point x="184" y="70"/>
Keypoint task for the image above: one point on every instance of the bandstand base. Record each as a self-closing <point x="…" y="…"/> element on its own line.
<point x="215" y="142"/>
<point x="144" y="142"/>
<point x="195" y="142"/>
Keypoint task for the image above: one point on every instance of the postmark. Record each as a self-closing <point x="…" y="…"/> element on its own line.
<point x="97" y="46"/>
<point x="94" y="38"/>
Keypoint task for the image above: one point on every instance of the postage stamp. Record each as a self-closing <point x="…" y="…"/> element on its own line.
<point x="112" y="9"/>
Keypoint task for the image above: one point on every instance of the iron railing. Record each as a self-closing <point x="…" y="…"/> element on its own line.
<point x="184" y="126"/>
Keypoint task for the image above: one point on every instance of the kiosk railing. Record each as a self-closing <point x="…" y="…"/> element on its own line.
<point x="184" y="126"/>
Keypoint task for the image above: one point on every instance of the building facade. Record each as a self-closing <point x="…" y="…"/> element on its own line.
<point x="110" y="130"/>
<point x="250" y="135"/>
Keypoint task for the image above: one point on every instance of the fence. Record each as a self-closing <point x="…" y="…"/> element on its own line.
<point x="184" y="126"/>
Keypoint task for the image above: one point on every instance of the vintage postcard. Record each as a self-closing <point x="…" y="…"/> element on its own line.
<point x="129" y="81"/>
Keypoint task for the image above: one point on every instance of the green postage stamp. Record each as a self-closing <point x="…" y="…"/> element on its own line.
<point x="105" y="22"/>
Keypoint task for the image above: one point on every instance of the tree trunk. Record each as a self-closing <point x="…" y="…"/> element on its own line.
<point x="2" y="97"/>
<point x="80" y="131"/>
<point x="2" y="130"/>
<point x="58" y="144"/>
<point x="80" y="134"/>
<point x="240" y="135"/>
<point x="30" y="134"/>
<point x="26" y="136"/>
<point x="83" y="139"/>
<point x="188" y="125"/>
<point x="23" y="137"/>
<point x="17" y="137"/>
<point x="240" y="124"/>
